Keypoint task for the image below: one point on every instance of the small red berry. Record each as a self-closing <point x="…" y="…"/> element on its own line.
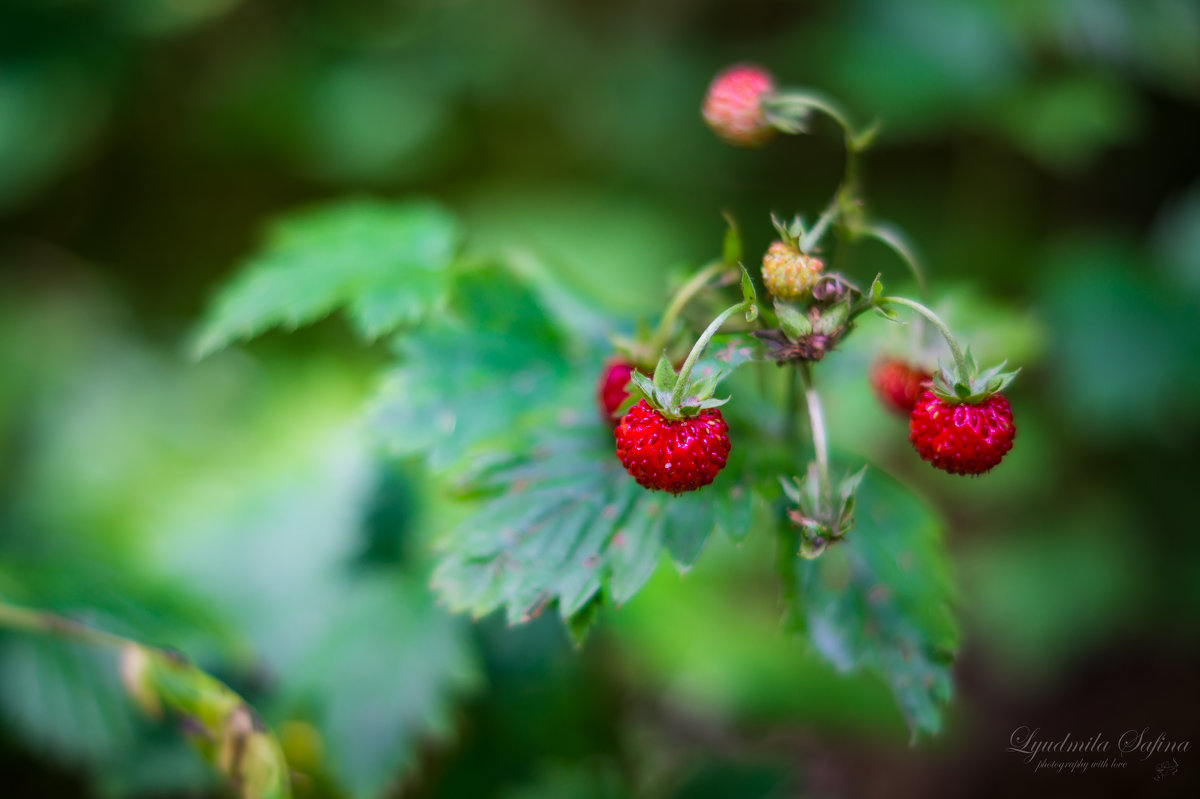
<point x="899" y="384"/>
<point x="611" y="391"/>
<point x="959" y="438"/>
<point x="675" y="455"/>
<point x="733" y="105"/>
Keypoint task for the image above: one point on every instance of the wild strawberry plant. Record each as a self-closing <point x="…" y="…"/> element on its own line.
<point x="579" y="462"/>
<point x="576" y="462"/>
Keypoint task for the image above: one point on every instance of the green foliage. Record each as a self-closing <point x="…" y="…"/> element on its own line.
<point x="476" y="375"/>
<point x="383" y="263"/>
<point x="563" y="524"/>
<point x="880" y="600"/>
<point x="227" y="521"/>
<point x="45" y="682"/>
<point x="379" y="679"/>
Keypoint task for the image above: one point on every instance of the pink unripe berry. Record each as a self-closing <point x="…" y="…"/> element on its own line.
<point x="733" y="105"/>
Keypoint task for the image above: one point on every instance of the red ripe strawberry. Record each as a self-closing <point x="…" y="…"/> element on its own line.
<point x="899" y="384"/>
<point x="962" y="438"/>
<point x="675" y="455"/>
<point x="733" y="105"/>
<point x="611" y="391"/>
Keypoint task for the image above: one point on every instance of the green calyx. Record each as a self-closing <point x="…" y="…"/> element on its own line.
<point x="790" y="233"/>
<point x="675" y="395"/>
<point x="821" y="518"/>
<point x="959" y="381"/>
<point x="965" y="384"/>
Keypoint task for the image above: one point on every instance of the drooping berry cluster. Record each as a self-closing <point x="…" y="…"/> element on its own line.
<point x="674" y="455"/>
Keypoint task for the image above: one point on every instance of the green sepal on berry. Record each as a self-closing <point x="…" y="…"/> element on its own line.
<point x="660" y="392"/>
<point x="959" y="381"/>
<point x="970" y="385"/>
<point x="821" y="519"/>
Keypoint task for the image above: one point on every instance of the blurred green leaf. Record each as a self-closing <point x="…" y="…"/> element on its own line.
<point x="593" y="780"/>
<point x="880" y="600"/>
<point x="475" y="375"/>
<point x="65" y="698"/>
<point x="379" y="679"/>
<point x="1065" y="122"/>
<point x="385" y="264"/>
<point x="50" y="110"/>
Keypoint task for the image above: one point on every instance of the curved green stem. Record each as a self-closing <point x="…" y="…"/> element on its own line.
<point x="816" y="418"/>
<point x="682" y="297"/>
<point x="34" y="621"/>
<point x="960" y="360"/>
<point x="685" y="372"/>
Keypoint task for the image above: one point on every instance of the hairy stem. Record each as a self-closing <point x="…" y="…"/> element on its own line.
<point x="698" y="348"/>
<point x="960" y="360"/>
<point x="789" y="538"/>
<point x="816" y="418"/>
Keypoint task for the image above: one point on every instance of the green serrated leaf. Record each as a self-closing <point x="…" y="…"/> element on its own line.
<point x="385" y="264"/>
<point x="713" y="403"/>
<point x="664" y="375"/>
<point x="580" y="623"/>
<point x="564" y="523"/>
<point x="453" y="390"/>
<point x="879" y="600"/>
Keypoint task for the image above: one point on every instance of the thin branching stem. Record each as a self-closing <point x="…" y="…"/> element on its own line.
<point x="685" y="372"/>
<point x="34" y="621"/>
<point x="816" y="418"/>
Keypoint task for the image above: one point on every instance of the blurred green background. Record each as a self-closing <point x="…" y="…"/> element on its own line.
<point x="1043" y="153"/>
